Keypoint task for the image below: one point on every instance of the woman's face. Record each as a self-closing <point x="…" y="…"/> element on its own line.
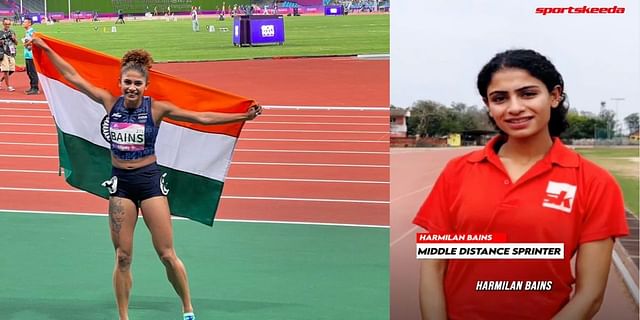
<point x="132" y="85"/>
<point x="519" y="103"/>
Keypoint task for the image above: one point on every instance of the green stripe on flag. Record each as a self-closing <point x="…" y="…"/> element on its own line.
<point x="193" y="196"/>
<point x="87" y="165"/>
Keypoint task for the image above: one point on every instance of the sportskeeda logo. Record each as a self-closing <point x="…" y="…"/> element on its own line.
<point x="560" y="196"/>
<point x="580" y="10"/>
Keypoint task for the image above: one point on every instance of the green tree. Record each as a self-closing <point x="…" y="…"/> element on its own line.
<point x="583" y="126"/>
<point x="426" y="118"/>
<point x="632" y="122"/>
<point x="431" y="118"/>
<point x="608" y="118"/>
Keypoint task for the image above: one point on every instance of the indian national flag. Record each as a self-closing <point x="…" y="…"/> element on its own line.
<point x="195" y="157"/>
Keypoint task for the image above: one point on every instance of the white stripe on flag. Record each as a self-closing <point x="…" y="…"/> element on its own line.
<point x="196" y="152"/>
<point x="74" y="112"/>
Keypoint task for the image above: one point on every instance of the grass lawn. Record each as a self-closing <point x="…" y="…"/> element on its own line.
<point x="623" y="164"/>
<point x="175" y="41"/>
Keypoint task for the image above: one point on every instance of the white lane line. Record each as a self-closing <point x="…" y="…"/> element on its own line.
<point x="381" y="108"/>
<point x="241" y="139"/>
<point x="28" y="171"/>
<point x="312" y="140"/>
<point x="23" y="101"/>
<point x="411" y="193"/>
<point x="26" y="109"/>
<point x="322" y="123"/>
<point x="29" y="133"/>
<point x="316" y="131"/>
<point x="308" y="164"/>
<point x="235" y="162"/>
<point x="223" y="197"/>
<point x="231" y="178"/>
<point x="312" y="151"/>
<point x="407" y="151"/>
<point x="26" y="124"/>
<point x="309" y="180"/>
<point x="26" y="156"/>
<point x="404" y="235"/>
<point x="309" y="223"/>
<point x="306" y="199"/>
<point x="249" y="130"/>
<point x="385" y="109"/>
<point x="30" y="144"/>
<point x="301" y="108"/>
<point x="21" y="116"/>
<point x="415" y="228"/>
<point x="216" y="220"/>
<point x="320" y="116"/>
<point x="626" y="276"/>
<point x="42" y="190"/>
<point x="237" y="150"/>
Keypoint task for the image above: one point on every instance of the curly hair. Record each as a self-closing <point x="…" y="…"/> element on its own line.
<point x="539" y="67"/>
<point x="139" y="60"/>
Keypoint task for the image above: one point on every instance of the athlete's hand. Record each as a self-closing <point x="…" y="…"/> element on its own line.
<point x="38" y="42"/>
<point x="253" y="112"/>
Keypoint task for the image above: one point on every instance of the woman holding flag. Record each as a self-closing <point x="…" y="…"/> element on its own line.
<point x="137" y="182"/>
<point x="527" y="184"/>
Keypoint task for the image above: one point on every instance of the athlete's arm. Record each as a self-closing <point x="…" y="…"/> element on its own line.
<point x="592" y="270"/>
<point x="432" y="301"/>
<point x="208" y="118"/>
<point x="96" y="94"/>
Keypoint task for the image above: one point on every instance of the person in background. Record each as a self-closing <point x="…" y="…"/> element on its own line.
<point x="194" y="19"/>
<point x="8" y="43"/>
<point x="120" y="16"/>
<point x="28" y="57"/>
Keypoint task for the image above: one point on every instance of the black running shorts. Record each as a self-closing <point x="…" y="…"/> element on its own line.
<point x="137" y="184"/>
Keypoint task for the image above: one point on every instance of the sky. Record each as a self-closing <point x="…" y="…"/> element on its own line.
<point x="439" y="46"/>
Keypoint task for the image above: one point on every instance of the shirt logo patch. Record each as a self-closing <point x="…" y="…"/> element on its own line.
<point x="127" y="136"/>
<point x="559" y="196"/>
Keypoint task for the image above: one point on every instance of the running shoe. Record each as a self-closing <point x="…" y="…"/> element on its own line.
<point x="189" y="316"/>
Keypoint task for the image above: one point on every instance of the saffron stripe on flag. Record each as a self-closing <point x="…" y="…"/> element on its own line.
<point x="196" y="158"/>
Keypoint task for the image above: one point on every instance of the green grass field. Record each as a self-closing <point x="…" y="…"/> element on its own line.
<point x="623" y="164"/>
<point x="237" y="271"/>
<point x="175" y="41"/>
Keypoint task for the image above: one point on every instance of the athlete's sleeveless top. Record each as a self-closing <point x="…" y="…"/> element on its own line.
<point x="132" y="131"/>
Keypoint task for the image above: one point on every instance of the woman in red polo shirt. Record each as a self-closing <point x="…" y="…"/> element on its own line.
<point x="527" y="184"/>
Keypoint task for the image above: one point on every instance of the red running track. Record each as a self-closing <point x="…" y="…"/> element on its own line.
<point x="308" y="165"/>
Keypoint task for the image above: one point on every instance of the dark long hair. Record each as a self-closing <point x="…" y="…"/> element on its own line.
<point x="540" y="68"/>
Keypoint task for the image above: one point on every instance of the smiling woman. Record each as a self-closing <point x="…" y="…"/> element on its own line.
<point x="137" y="182"/>
<point x="527" y="184"/>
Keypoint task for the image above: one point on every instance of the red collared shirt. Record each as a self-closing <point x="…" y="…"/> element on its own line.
<point x="563" y="198"/>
